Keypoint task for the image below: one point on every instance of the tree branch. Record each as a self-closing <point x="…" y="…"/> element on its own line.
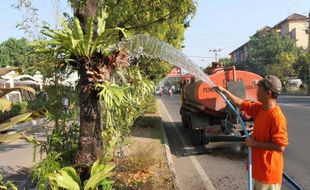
<point x="154" y="22"/>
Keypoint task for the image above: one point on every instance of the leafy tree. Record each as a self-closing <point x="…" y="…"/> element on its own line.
<point x="284" y="66"/>
<point x="30" y="21"/>
<point x="227" y="62"/>
<point x="265" y="48"/>
<point x="86" y="45"/>
<point x="164" y="19"/>
<point x="155" y="70"/>
<point x="17" y="52"/>
<point x="302" y="66"/>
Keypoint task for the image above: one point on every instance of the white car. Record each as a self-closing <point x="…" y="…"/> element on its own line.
<point x="295" y="82"/>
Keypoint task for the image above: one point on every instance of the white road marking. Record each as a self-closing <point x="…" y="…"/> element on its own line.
<point x="194" y="160"/>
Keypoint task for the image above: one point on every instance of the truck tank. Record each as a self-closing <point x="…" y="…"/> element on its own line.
<point x="200" y="95"/>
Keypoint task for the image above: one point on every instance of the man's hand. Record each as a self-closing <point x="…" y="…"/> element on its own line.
<point x="219" y="88"/>
<point x="234" y="99"/>
<point x="249" y="142"/>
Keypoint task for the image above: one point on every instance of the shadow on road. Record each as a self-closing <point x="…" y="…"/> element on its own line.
<point x="20" y="176"/>
<point x="228" y="150"/>
<point x="7" y="147"/>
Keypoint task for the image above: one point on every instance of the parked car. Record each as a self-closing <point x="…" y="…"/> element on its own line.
<point x="294" y="82"/>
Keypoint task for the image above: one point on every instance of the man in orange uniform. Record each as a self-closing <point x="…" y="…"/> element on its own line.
<point x="269" y="138"/>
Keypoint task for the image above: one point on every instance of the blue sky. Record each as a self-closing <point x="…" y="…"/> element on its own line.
<point x="224" y="24"/>
<point x="227" y="24"/>
<point x="9" y="16"/>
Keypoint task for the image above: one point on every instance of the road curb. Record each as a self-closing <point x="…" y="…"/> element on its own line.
<point x="176" y="182"/>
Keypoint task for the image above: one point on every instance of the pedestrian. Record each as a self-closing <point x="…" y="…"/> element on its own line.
<point x="269" y="138"/>
<point x="161" y="91"/>
<point x="170" y="92"/>
<point x="65" y="104"/>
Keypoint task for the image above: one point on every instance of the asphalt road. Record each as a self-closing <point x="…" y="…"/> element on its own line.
<point x="297" y="154"/>
<point x="224" y="164"/>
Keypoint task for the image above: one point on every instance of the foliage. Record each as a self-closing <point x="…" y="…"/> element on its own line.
<point x="17" y="52"/>
<point x="154" y="70"/>
<point x="227" y="62"/>
<point x="30" y="22"/>
<point x="284" y="66"/>
<point x="163" y="19"/>
<point x="67" y="178"/>
<point x="19" y="107"/>
<point x="64" y="140"/>
<point x="6" y="105"/>
<point x="56" y="93"/>
<point x="265" y="48"/>
<point x="61" y="144"/>
<point x="149" y="105"/>
<point x="74" y="42"/>
<point x="47" y="166"/>
<point x="87" y="45"/>
<point x="302" y="66"/>
<point x="124" y="100"/>
<point x="6" y="185"/>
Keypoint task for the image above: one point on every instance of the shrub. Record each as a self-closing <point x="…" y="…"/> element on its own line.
<point x="19" y="108"/>
<point x="6" y="185"/>
<point x="150" y="104"/>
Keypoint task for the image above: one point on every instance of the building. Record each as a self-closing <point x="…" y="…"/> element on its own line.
<point x="294" y="26"/>
<point x="239" y="55"/>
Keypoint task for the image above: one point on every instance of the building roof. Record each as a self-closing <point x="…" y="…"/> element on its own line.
<point x="294" y="16"/>
<point x="240" y="47"/>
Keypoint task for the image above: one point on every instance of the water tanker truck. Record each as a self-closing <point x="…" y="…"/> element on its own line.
<point x="205" y="112"/>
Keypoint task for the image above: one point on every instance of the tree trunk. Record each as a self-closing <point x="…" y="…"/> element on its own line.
<point x="89" y="9"/>
<point x="90" y="142"/>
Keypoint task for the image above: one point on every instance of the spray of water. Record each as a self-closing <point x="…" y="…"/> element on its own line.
<point x="141" y="45"/>
<point x="146" y="46"/>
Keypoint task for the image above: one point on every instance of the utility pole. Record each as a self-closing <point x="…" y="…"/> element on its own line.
<point x="215" y="52"/>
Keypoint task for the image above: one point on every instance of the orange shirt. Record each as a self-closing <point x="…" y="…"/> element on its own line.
<point x="269" y="126"/>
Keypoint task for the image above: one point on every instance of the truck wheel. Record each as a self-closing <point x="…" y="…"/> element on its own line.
<point x="184" y="123"/>
<point x="197" y="136"/>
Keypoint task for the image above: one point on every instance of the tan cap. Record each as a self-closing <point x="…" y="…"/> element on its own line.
<point x="273" y="83"/>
